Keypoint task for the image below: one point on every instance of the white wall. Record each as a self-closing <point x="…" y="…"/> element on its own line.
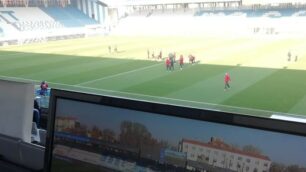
<point x="16" y="109"/>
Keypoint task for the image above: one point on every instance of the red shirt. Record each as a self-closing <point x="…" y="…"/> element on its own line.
<point x="227" y="78"/>
<point x="181" y="59"/>
<point x="168" y="62"/>
<point x="44" y="86"/>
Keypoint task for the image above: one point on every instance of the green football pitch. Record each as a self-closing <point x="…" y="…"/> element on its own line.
<point x="263" y="82"/>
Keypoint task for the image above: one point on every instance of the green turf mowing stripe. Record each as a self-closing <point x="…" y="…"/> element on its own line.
<point x="119" y="82"/>
<point x="299" y="107"/>
<point x="7" y="57"/>
<point x="166" y="100"/>
<point x="73" y="68"/>
<point x="211" y="88"/>
<point x="201" y="85"/>
<point x="119" y="74"/>
<point x="93" y="74"/>
<point x="39" y="68"/>
<point x="175" y="81"/>
<point x="9" y="54"/>
<point x="278" y="92"/>
<point x="30" y="60"/>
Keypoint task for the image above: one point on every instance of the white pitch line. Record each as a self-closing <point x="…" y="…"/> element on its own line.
<point x="189" y="101"/>
<point x="118" y="74"/>
<point x="158" y="97"/>
<point x="123" y="73"/>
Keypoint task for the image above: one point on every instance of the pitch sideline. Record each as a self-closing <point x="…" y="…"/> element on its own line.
<point x="155" y="97"/>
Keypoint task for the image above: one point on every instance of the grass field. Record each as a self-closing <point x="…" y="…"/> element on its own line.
<point x="263" y="81"/>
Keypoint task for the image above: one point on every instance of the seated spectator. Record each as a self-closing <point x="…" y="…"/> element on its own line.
<point x="43" y="88"/>
<point x="36" y="113"/>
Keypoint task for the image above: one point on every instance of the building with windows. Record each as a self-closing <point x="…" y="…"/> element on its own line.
<point x="63" y="123"/>
<point x="218" y="154"/>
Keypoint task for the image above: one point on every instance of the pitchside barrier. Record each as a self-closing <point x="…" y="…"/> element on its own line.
<point x="16" y="113"/>
<point x="289" y="117"/>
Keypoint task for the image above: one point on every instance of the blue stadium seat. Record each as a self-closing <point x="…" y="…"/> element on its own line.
<point x="69" y="17"/>
<point x="271" y="13"/>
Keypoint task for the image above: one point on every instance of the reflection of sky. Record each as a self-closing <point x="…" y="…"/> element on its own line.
<point x="282" y="148"/>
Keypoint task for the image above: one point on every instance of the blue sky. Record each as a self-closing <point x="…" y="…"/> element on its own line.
<point x="284" y="148"/>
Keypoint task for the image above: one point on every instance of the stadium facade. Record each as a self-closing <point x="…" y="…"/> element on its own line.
<point x="23" y="22"/>
<point x="28" y="21"/>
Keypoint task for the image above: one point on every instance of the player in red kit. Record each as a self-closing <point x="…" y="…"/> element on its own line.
<point x="227" y="79"/>
<point x="181" y="61"/>
<point x="168" y="64"/>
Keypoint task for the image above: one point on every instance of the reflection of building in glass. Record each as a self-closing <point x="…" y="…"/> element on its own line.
<point x="175" y="158"/>
<point x="63" y="123"/>
<point x="104" y="161"/>
<point x="218" y="154"/>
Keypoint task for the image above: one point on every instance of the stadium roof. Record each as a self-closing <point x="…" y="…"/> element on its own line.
<point x="263" y="2"/>
<point x="114" y="3"/>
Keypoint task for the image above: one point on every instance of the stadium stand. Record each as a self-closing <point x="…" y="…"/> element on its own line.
<point x="39" y="24"/>
<point x="264" y="20"/>
<point x="69" y="17"/>
<point x="272" y="13"/>
<point x="170" y="12"/>
<point x="160" y="22"/>
<point x="29" y="19"/>
<point x="301" y="13"/>
<point x="34" y="18"/>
